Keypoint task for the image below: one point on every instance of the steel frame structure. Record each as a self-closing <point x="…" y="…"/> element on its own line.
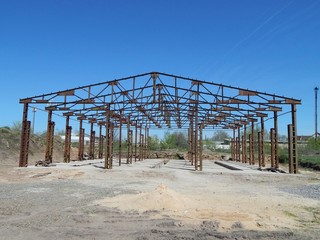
<point x="159" y="100"/>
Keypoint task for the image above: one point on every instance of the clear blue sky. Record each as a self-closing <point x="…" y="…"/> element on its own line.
<point x="267" y="45"/>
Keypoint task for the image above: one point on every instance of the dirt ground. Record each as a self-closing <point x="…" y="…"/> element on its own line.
<point x="152" y="200"/>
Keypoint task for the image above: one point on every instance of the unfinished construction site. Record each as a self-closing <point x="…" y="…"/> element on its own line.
<point x="112" y="186"/>
<point x="137" y="104"/>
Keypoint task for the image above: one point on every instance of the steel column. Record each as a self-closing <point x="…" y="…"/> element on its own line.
<point x="67" y="141"/>
<point x="100" y="142"/>
<point x="239" y="145"/>
<point x="108" y="154"/>
<point x="263" y="161"/>
<point x="290" y="149"/>
<point x="294" y="138"/>
<point x="25" y="134"/>
<point x="259" y="150"/>
<point x="252" y="161"/>
<point x="136" y="141"/>
<point x="120" y="137"/>
<point x="50" y="137"/>
<point x="92" y="142"/>
<point x="272" y="142"/>
<point x="244" y="147"/>
<point x="81" y="141"/>
<point x="276" y="150"/>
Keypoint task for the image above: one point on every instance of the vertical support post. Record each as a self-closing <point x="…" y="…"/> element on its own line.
<point x="81" y="141"/>
<point x="92" y="142"/>
<point x="263" y="163"/>
<point x="244" y="147"/>
<point x="276" y="151"/>
<point x="136" y="141"/>
<point x="239" y="145"/>
<point x="233" y="147"/>
<point x="145" y="142"/>
<point x="49" y="140"/>
<point x="67" y="141"/>
<point x="259" y="150"/>
<point x="200" y="146"/>
<point x="250" y="148"/>
<point x="192" y="142"/>
<point x="272" y="147"/>
<point x="120" y="137"/>
<point x="100" y="142"/>
<point x="108" y="154"/>
<point x="290" y="149"/>
<point x="252" y="144"/>
<point x="25" y="133"/>
<point x="148" y="144"/>
<point x="294" y="138"/>
<point x="128" y="140"/>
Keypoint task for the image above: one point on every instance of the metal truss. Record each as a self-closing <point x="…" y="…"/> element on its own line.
<point x="160" y="100"/>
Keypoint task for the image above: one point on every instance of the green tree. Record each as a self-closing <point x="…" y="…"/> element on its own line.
<point x="176" y="140"/>
<point x="220" y="135"/>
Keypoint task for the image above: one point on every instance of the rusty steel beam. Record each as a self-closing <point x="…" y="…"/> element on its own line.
<point x="244" y="147"/>
<point x="136" y="142"/>
<point x="25" y="134"/>
<point x="239" y="145"/>
<point x="200" y="147"/>
<point x="67" y="141"/>
<point x="92" y="142"/>
<point x="272" y="143"/>
<point x="120" y="137"/>
<point x="252" y="156"/>
<point x="276" y="150"/>
<point x="294" y="139"/>
<point x="262" y="152"/>
<point x="259" y="150"/>
<point x="100" y="153"/>
<point x="108" y="148"/>
<point x="290" y="148"/>
<point x="81" y="141"/>
<point x="49" y="138"/>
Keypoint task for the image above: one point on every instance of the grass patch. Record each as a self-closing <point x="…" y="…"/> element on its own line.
<point x="310" y="159"/>
<point x="315" y="212"/>
<point x="289" y="214"/>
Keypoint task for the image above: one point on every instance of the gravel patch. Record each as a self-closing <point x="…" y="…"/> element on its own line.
<point x="307" y="191"/>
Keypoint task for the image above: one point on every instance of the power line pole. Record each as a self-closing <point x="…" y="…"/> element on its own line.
<point x="316" y="113"/>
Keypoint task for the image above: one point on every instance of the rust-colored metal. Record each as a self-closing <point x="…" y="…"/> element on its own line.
<point x="239" y="145"/>
<point x="81" y="141"/>
<point x="49" y="138"/>
<point x="260" y="146"/>
<point x="92" y="142"/>
<point x="262" y="152"/>
<point x="100" y="153"/>
<point x="252" y="160"/>
<point x="109" y="143"/>
<point x="290" y="148"/>
<point x="120" y="138"/>
<point x="25" y="134"/>
<point x="294" y="138"/>
<point x="160" y="100"/>
<point x="129" y="142"/>
<point x="272" y="143"/>
<point x="276" y="157"/>
<point x="136" y="142"/>
<point x="244" y="144"/>
<point x="233" y="145"/>
<point x="67" y="141"/>
<point x="200" y="147"/>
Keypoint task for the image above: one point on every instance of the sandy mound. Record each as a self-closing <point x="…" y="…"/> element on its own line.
<point x="165" y="201"/>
